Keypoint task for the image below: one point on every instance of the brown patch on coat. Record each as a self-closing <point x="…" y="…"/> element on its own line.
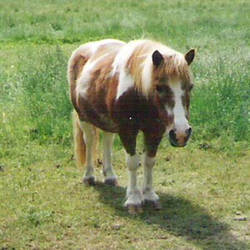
<point x="96" y="106"/>
<point x="134" y="112"/>
<point x="76" y="69"/>
<point x="181" y="138"/>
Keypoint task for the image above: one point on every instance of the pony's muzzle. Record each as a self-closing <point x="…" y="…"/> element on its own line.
<point x="179" y="138"/>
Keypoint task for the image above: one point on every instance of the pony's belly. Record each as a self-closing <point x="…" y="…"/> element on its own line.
<point x="108" y="124"/>
<point x="101" y="121"/>
<point x="95" y="113"/>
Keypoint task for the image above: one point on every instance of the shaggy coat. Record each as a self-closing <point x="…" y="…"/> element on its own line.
<point x="125" y="88"/>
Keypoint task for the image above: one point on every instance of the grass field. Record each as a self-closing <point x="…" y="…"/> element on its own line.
<point x="204" y="188"/>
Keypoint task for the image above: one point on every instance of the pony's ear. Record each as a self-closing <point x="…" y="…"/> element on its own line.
<point x="189" y="56"/>
<point x="157" y="58"/>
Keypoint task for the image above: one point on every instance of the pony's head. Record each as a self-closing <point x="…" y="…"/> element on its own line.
<point x="172" y="84"/>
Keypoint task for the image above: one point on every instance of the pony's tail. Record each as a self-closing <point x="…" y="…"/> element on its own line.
<point x="75" y="66"/>
<point x="79" y="143"/>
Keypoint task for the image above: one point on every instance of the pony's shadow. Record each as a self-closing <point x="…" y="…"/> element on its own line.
<point x="178" y="216"/>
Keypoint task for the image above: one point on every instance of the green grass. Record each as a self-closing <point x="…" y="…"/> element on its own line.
<point x="203" y="187"/>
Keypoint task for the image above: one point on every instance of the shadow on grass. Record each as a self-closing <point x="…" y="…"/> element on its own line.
<point x="179" y="217"/>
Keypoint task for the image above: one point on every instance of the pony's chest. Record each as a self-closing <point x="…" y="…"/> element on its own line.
<point x="106" y="123"/>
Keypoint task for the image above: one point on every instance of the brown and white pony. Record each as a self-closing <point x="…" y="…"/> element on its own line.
<point x="125" y="88"/>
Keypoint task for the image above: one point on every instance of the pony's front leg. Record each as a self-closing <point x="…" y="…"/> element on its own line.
<point x="134" y="195"/>
<point x="149" y="195"/>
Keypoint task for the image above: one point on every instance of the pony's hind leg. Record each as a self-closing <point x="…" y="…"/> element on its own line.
<point x="108" y="172"/>
<point x="90" y="139"/>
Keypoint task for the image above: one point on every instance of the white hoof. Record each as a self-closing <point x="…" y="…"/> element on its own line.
<point x="133" y="198"/>
<point x="151" y="198"/>
<point x="150" y="195"/>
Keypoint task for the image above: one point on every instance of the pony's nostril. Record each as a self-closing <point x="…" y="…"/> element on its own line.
<point x="188" y="131"/>
<point x="172" y="135"/>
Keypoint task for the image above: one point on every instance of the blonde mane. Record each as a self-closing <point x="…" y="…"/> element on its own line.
<point x="141" y="68"/>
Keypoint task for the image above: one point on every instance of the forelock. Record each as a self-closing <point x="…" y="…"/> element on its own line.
<point x="175" y="67"/>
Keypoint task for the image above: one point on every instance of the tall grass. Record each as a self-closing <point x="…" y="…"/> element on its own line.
<point x="45" y="95"/>
<point x="34" y="97"/>
<point x="220" y="108"/>
<point x="36" y="102"/>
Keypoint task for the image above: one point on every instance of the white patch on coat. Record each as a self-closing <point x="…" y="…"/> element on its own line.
<point x="134" y="195"/>
<point x="94" y="46"/>
<point x="90" y="48"/>
<point x="148" y="191"/>
<point x="126" y="81"/>
<point x="132" y="162"/>
<point x="147" y="74"/>
<point x="179" y="112"/>
<point x="87" y="49"/>
<point x="85" y="77"/>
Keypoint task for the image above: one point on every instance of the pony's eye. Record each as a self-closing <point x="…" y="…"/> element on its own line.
<point x="160" y="88"/>
<point x="191" y="87"/>
<point x="163" y="90"/>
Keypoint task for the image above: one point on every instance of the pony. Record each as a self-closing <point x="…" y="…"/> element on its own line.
<point x="125" y="88"/>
